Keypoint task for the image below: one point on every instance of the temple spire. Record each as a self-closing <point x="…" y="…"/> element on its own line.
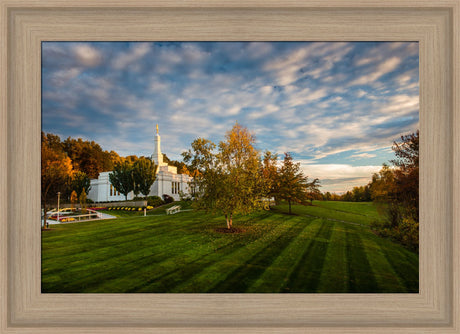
<point x="157" y="156"/>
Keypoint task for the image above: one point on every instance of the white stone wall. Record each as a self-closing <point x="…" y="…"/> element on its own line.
<point x="100" y="190"/>
<point x="100" y="187"/>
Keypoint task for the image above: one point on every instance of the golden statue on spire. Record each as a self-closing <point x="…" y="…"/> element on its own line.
<point x="157" y="128"/>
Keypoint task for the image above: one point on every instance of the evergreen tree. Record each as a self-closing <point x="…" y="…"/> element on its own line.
<point x="293" y="184"/>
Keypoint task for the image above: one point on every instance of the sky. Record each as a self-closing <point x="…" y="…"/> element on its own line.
<point x="336" y="107"/>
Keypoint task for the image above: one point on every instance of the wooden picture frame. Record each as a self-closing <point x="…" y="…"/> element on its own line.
<point x="434" y="24"/>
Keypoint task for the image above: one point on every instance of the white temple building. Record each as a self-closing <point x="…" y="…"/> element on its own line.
<point x="167" y="182"/>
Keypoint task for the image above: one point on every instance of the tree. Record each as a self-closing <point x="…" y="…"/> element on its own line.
<point x="395" y="190"/>
<point x="82" y="199"/>
<point x="88" y="156"/>
<point x="202" y="159"/>
<point x="56" y="172"/>
<point x="80" y="182"/>
<point x="313" y="190"/>
<point x="73" y="198"/>
<point x="293" y="184"/>
<point x="122" y="178"/>
<point x="269" y="171"/>
<point x="407" y="174"/>
<point x="227" y="181"/>
<point x="240" y="183"/>
<point x="144" y="175"/>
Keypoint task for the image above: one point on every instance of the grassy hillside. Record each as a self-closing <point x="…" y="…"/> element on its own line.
<point x="184" y="253"/>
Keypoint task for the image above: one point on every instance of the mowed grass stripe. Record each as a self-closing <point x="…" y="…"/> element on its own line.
<point x="245" y="275"/>
<point x="142" y="279"/>
<point x="191" y="261"/>
<point x="275" y="276"/>
<point x="183" y="253"/>
<point x="212" y="275"/>
<point x="110" y="247"/>
<point x="109" y="227"/>
<point x="361" y="277"/>
<point x="305" y="276"/>
<point x="114" y="253"/>
<point x="334" y="276"/>
<point x="385" y="276"/>
<point x="120" y="260"/>
<point x="404" y="263"/>
<point x="367" y="209"/>
<point x="320" y="212"/>
<point x="83" y="276"/>
<point x="89" y="237"/>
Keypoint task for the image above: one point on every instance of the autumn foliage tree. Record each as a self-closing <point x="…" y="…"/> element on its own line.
<point x="56" y="173"/>
<point x="240" y="183"/>
<point x="73" y="199"/>
<point x="407" y="173"/>
<point x="228" y="180"/>
<point x="396" y="189"/>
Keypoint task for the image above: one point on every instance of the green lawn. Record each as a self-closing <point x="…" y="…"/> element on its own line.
<point x="318" y="249"/>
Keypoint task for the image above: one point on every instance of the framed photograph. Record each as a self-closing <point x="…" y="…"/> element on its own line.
<point x="417" y="41"/>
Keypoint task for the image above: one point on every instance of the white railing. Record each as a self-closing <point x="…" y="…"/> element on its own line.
<point x="93" y="214"/>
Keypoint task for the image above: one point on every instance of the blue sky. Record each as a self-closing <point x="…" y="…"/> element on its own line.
<point x="335" y="106"/>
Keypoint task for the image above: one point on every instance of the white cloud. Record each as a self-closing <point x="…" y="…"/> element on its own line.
<point x="87" y="55"/>
<point x="61" y="77"/>
<point x="387" y="66"/>
<point x="363" y="155"/>
<point x="341" y="177"/>
<point x="267" y="110"/>
<point x="133" y="55"/>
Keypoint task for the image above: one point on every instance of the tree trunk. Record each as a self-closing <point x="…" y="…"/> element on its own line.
<point x="229" y="221"/>
<point x="289" y="201"/>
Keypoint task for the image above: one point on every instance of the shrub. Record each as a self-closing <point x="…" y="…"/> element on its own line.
<point x="405" y="232"/>
<point x="167" y="198"/>
<point x="154" y="201"/>
<point x="185" y="197"/>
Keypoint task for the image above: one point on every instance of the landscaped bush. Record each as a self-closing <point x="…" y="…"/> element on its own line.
<point x="168" y="199"/>
<point x="154" y="201"/>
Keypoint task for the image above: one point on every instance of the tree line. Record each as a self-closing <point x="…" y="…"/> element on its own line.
<point x="357" y="194"/>
<point x="234" y="178"/>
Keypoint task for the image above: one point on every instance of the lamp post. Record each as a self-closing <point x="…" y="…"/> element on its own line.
<point x="59" y="195"/>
